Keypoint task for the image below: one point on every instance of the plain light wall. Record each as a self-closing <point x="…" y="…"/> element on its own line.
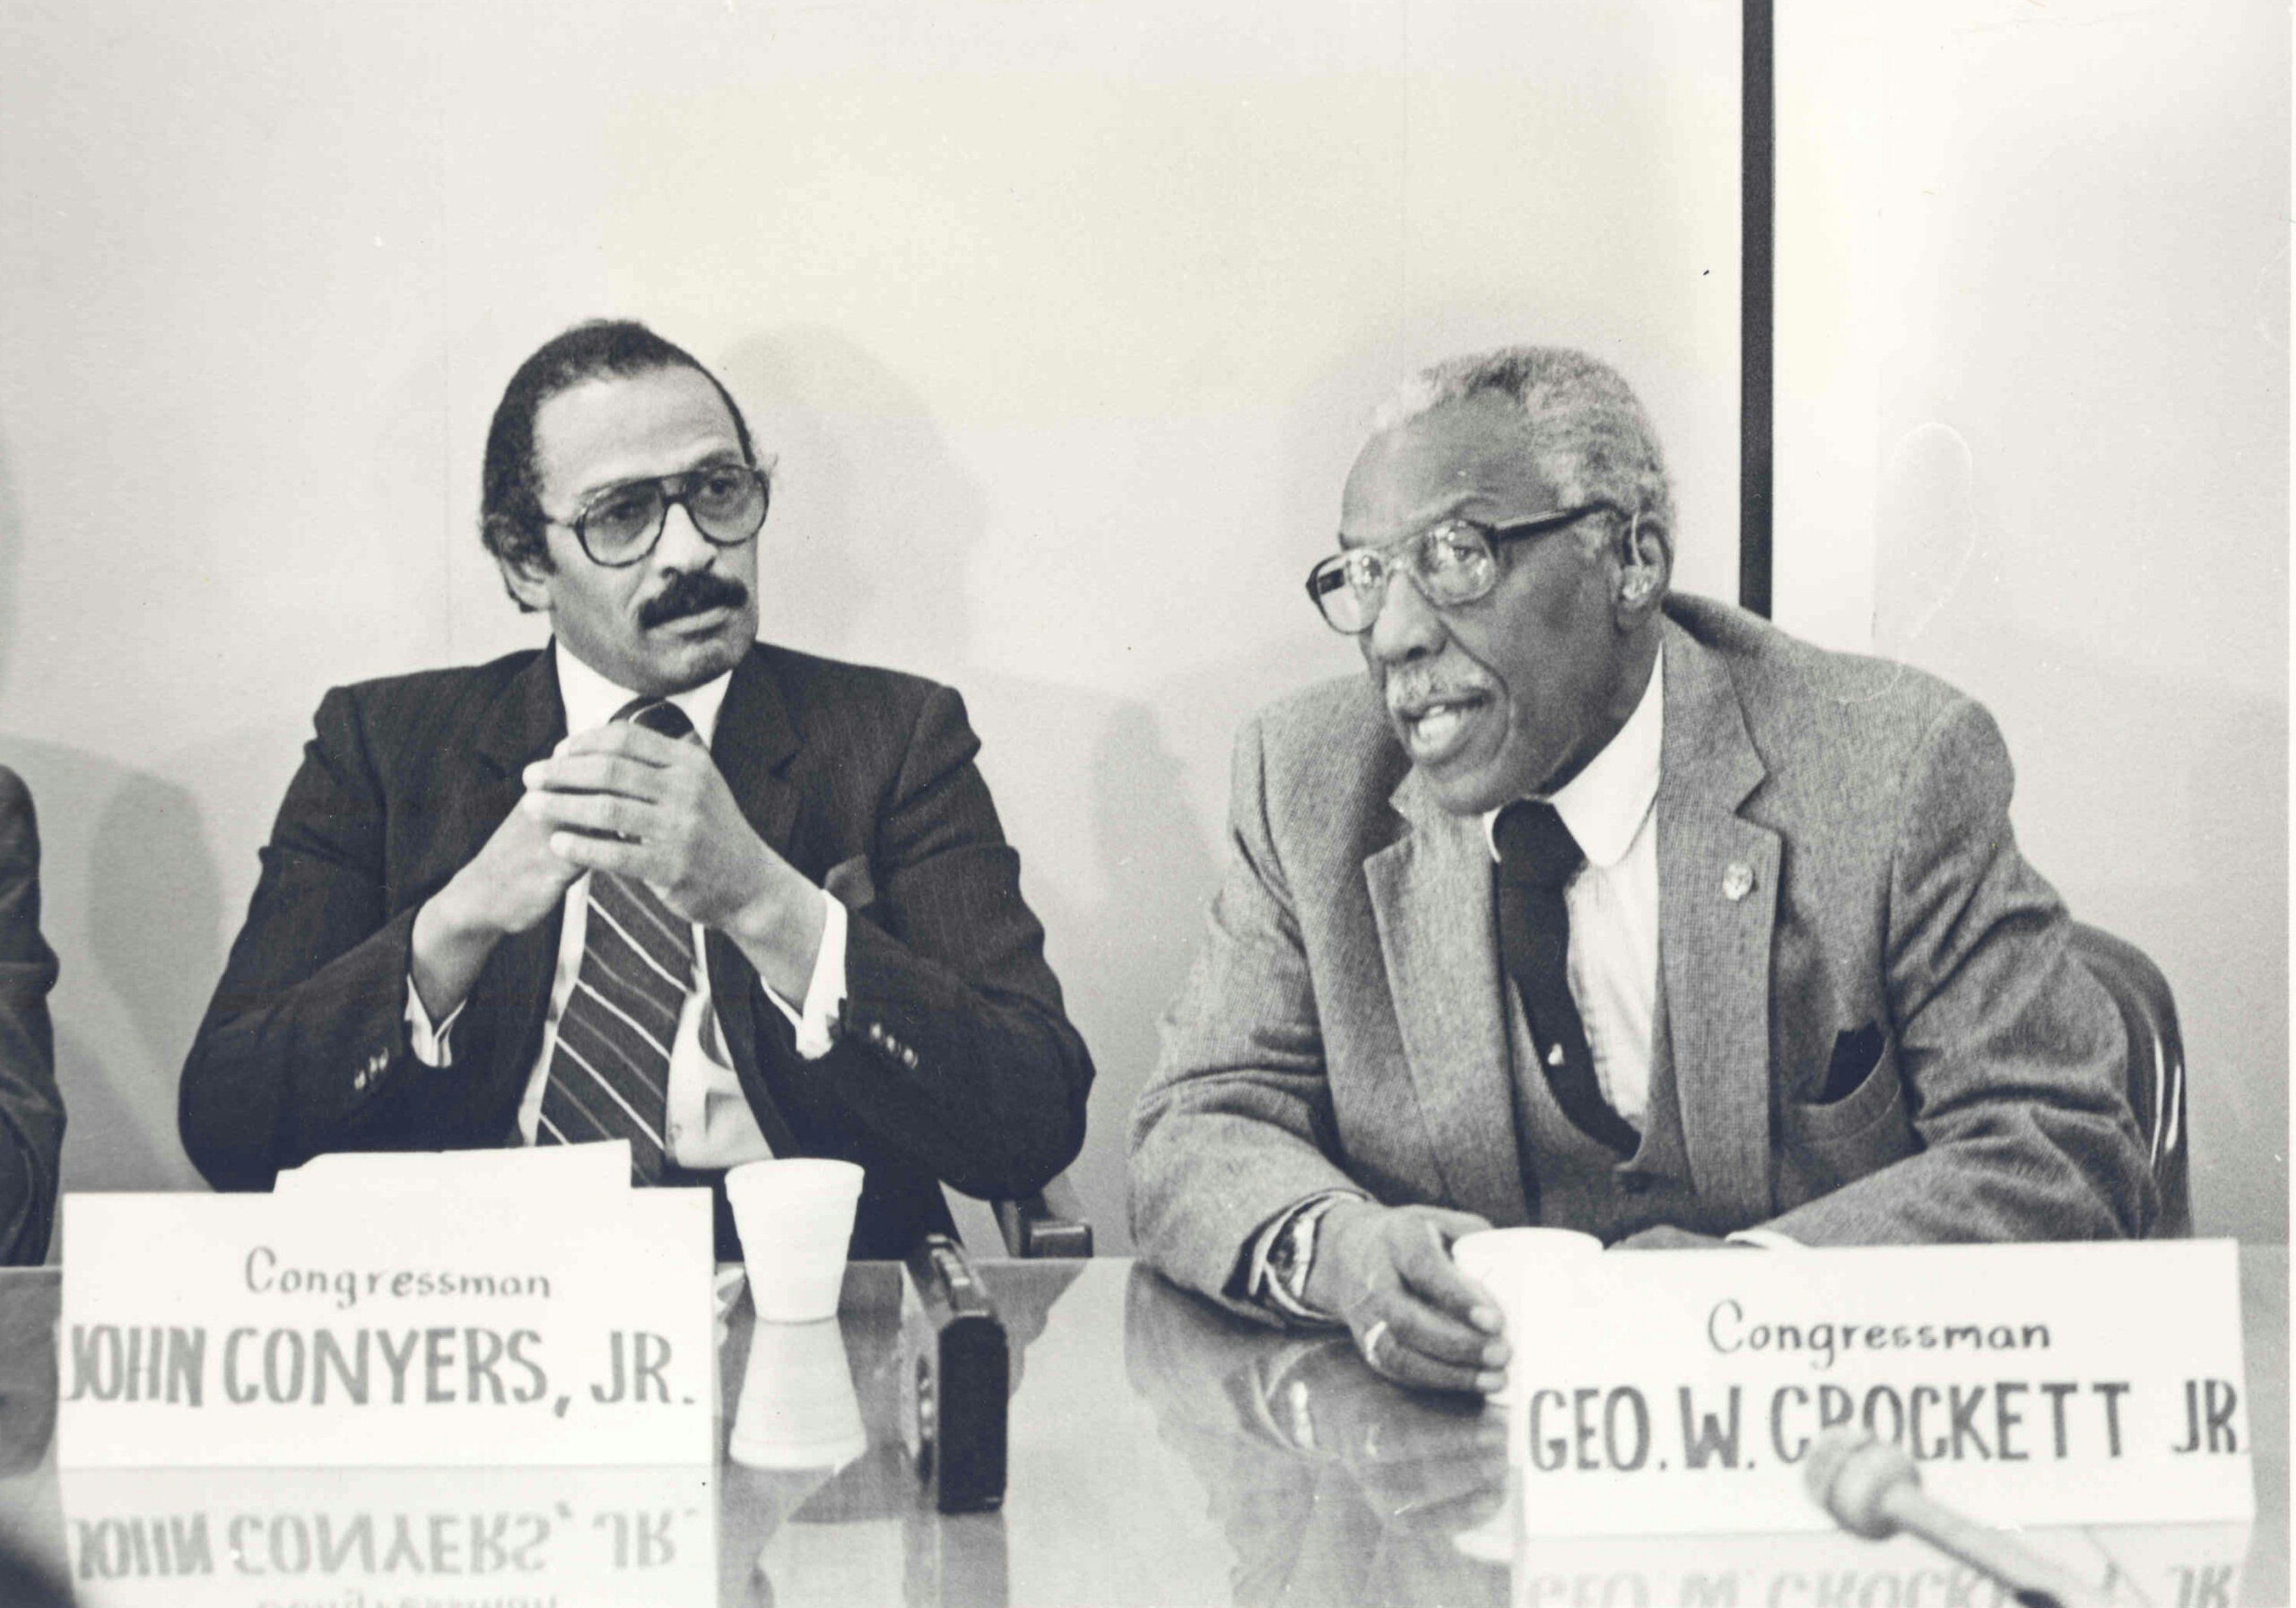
<point x="2034" y="310"/>
<point x="1064" y="319"/>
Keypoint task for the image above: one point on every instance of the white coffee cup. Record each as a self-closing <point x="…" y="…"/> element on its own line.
<point x="795" y="1219"/>
<point x="1525" y="1270"/>
<point x="797" y="1407"/>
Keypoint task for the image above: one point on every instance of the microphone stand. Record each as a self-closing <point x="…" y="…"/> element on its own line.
<point x="1873" y="1489"/>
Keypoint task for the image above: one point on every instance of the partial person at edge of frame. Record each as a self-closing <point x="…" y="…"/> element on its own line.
<point x="32" y="1108"/>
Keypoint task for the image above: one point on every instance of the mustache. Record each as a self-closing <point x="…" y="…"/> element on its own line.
<point x="1403" y="688"/>
<point x="692" y="592"/>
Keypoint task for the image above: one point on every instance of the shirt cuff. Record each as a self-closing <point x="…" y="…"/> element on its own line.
<point x="428" y="1043"/>
<point x="1263" y="1286"/>
<point x="825" y="994"/>
<point x="1769" y="1240"/>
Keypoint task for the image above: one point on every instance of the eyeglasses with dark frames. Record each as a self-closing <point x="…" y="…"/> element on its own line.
<point x="621" y="524"/>
<point x="1452" y="563"/>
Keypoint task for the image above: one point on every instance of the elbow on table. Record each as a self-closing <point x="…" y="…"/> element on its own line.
<point x="1018" y="1147"/>
<point x="1013" y="1166"/>
<point x="26" y="1205"/>
<point x="2048" y="1174"/>
<point x="2111" y="1192"/>
<point x="217" y="1120"/>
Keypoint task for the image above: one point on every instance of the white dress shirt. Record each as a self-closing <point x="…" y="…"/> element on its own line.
<point x="710" y="1123"/>
<point x="1612" y="899"/>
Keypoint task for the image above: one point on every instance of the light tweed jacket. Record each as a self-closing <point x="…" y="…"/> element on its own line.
<point x="1344" y="1023"/>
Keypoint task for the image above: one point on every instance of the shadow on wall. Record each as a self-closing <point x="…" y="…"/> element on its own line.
<point x="131" y="904"/>
<point x="874" y="525"/>
<point x="1115" y="867"/>
<point x="1135" y="871"/>
<point x="2158" y="807"/>
<point x="873" y="520"/>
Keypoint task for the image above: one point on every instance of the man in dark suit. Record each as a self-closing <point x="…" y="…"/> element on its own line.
<point x="1605" y="909"/>
<point x="657" y="882"/>
<point x="31" y="1111"/>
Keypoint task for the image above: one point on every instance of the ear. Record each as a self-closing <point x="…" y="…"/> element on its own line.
<point x="526" y="579"/>
<point x="1645" y="565"/>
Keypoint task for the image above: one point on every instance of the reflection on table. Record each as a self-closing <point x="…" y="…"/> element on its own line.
<point x="1161" y="1452"/>
<point x="1329" y="1485"/>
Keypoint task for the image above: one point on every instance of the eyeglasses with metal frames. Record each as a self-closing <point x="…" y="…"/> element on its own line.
<point x="621" y="524"/>
<point x="1452" y="563"/>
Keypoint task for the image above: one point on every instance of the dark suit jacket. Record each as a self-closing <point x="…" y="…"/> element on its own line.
<point x="1835" y="866"/>
<point x="31" y="1111"/>
<point x="305" y="1049"/>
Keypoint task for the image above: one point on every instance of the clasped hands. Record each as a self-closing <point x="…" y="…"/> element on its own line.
<point x="629" y="800"/>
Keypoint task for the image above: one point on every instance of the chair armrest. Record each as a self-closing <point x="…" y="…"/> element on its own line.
<point x="1049" y="1224"/>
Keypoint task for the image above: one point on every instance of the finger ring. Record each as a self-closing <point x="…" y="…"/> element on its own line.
<point x="1369" y="1343"/>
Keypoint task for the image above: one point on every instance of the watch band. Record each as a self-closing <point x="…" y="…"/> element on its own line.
<point x="1292" y="1258"/>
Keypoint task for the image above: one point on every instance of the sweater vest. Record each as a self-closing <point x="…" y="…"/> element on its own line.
<point x="1571" y="1180"/>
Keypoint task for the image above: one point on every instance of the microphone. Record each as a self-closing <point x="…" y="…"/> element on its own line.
<point x="1873" y="1489"/>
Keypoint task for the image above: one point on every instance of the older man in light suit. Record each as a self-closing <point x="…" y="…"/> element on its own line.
<point x="1606" y="909"/>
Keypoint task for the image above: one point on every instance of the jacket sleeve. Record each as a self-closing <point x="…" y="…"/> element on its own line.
<point x="2012" y="1058"/>
<point x="31" y="1111"/>
<point x="304" y="1046"/>
<point x="953" y="1047"/>
<point x="1236" y="1125"/>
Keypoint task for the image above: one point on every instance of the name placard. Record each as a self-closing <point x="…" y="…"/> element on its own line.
<point x="430" y="1316"/>
<point x="2033" y="1385"/>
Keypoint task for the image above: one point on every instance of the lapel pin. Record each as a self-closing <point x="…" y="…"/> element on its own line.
<point x="1554" y="1055"/>
<point x="1737" y="881"/>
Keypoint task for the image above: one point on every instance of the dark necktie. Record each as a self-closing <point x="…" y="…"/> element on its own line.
<point x="1536" y="856"/>
<point x="610" y="1071"/>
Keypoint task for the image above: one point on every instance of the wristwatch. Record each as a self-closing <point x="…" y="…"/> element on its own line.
<point x="1292" y="1256"/>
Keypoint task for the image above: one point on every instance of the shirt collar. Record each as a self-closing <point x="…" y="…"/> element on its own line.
<point x="1604" y="806"/>
<point x="591" y="699"/>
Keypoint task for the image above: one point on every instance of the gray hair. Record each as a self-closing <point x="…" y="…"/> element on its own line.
<point x="1590" y="438"/>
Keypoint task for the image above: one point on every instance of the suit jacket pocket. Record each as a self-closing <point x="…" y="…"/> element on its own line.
<point x="1822" y="1147"/>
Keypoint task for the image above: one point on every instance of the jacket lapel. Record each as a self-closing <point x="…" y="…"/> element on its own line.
<point x="754" y="744"/>
<point x="1718" y="893"/>
<point x="522" y="726"/>
<point x="1431" y="900"/>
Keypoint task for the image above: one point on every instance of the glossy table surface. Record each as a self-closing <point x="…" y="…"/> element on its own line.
<point x="1160" y="1453"/>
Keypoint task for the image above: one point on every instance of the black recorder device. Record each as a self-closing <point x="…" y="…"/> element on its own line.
<point x="956" y="1378"/>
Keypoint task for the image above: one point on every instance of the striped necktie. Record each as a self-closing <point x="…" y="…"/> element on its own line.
<point x="610" y="1070"/>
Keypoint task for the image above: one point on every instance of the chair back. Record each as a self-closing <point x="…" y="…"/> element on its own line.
<point x="1049" y="1224"/>
<point x="2156" y="1064"/>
